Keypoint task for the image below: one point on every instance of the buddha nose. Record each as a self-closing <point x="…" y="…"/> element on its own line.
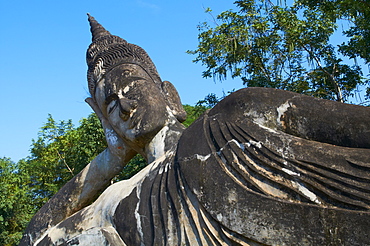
<point x="126" y="107"/>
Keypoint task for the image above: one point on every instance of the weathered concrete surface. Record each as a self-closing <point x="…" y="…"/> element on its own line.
<point x="267" y="185"/>
<point x="263" y="167"/>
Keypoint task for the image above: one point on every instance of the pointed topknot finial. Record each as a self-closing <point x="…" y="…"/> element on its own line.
<point x="96" y="29"/>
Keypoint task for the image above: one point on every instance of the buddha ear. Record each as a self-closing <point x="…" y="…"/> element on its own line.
<point x="173" y="100"/>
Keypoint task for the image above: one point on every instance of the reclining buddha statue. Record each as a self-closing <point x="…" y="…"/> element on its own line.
<point x="263" y="167"/>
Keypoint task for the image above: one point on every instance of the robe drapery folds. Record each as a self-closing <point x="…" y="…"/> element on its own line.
<point x="255" y="171"/>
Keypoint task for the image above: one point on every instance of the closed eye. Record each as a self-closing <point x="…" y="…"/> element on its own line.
<point x="111" y="102"/>
<point x="112" y="105"/>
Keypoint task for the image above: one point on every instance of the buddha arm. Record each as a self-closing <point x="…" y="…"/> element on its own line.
<point x="79" y="192"/>
<point x="97" y="176"/>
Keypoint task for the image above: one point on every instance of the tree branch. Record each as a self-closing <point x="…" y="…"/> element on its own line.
<point x="65" y="163"/>
<point x="337" y="89"/>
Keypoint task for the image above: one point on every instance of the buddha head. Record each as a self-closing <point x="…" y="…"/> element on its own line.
<point x="126" y="86"/>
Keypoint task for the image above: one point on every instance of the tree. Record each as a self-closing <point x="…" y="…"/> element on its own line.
<point x="281" y="46"/>
<point x="15" y="202"/>
<point x="60" y="152"/>
<point x="357" y="12"/>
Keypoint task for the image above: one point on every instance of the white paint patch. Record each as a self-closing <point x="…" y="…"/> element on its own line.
<point x="267" y="128"/>
<point x="306" y="192"/>
<point x="164" y="168"/>
<point x="254" y="143"/>
<point x="290" y="172"/>
<point x="202" y="157"/>
<point x="240" y="145"/>
<point x="138" y="217"/>
<point x="171" y="114"/>
<point x="232" y="196"/>
<point x="281" y="110"/>
<point x="54" y="234"/>
<point x="219" y="217"/>
<point x="111" y="137"/>
<point x="167" y="167"/>
<point x="160" y="170"/>
<point x="126" y="89"/>
<point x="157" y="145"/>
<point x="258" y="118"/>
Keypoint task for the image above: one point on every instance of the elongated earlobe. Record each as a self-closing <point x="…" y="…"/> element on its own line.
<point x="174" y="101"/>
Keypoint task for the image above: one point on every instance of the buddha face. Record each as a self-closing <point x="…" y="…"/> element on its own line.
<point x="133" y="103"/>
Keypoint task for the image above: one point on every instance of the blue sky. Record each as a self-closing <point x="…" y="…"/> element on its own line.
<point x="43" y="68"/>
<point x="43" y="46"/>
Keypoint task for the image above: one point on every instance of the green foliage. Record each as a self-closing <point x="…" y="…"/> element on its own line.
<point x="15" y="202"/>
<point x="60" y="152"/>
<point x="193" y="112"/>
<point x="133" y="167"/>
<point x="281" y="46"/>
<point x="357" y="12"/>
